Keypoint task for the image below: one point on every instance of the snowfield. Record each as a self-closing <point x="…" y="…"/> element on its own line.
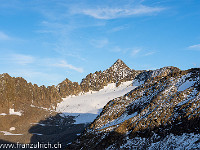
<point x="86" y="107"/>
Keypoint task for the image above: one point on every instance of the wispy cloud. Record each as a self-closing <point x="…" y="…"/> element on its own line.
<point x="195" y="47"/>
<point x="149" y="53"/>
<point x="22" y="59"/>
<point x="38" y="76"/>
<point x="116" y="49"/>
<point x="134" y="52"/>
<point x="28" y="60"/>
<point x="4" y="36"/>
<point x="19" y="59"/>
<point x="100" y="43"/>
<point x="119" y="12"/>
<point x="64" y="64"/>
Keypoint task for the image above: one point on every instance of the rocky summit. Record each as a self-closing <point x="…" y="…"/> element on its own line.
<point x="118" y="108"/>
<point x="117" y="73"/>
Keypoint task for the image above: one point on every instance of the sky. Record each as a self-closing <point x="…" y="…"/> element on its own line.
<point x="46" y="41"/>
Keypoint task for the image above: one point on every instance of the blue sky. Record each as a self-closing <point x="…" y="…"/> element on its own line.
<point x="46" y="41"/>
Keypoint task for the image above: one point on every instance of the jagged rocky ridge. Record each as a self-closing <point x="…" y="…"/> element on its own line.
<point x="117" y="73"/>
<point x="162" y="113"/>
<point x="23" y="104"/>
<point x="15" y="91"/>
<point x="165" y="106"/>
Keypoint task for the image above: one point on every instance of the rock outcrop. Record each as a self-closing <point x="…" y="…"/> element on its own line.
<point x="68" y="87"/>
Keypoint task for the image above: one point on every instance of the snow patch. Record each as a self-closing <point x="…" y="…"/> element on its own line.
<point x="41" y="124"/>
<point x="119" y="120"/>
<point x="3" y="114"/>
<point x="88" y="106"/>
<point x="8" y="133"/>
<point x="186" y="85"/>
<point x="12" y="128"/>
<point x="36" y="133"/>
<point x="13" y="112"/>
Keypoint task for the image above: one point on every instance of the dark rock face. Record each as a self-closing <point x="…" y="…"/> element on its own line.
<point x="164" y="108"/>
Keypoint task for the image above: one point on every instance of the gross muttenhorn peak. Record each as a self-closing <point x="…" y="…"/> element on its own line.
<point x="118" y="65"/>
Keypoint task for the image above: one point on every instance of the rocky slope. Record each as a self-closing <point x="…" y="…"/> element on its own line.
<point x="162" y="113"/>
<point x="21" y="105"/>
<point x="16" y="91"/>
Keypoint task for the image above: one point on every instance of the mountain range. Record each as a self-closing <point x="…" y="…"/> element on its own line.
<point x="118" y="108"/>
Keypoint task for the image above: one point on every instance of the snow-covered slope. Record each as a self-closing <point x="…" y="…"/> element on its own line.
<point x="86" y="107"/>
<point x="165" y="108"/>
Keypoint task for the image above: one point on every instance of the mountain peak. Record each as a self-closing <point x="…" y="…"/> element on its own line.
<point x="119" y="61"/>
<point x="119" y="64"/>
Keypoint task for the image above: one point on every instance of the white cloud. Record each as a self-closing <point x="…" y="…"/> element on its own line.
<point x="39" y="77"/>
<point x="118" y="12"/>
<point x="134" y="52"/>
<point x="22" y="59"/>
<point x="116" y="49"/>
<point x="149" y="53"/>
<point x="195" y="47"/>
<point x="19" y="59"/>
<point x="100" y="43"/>
<point x="4" y="36"/>
<point x="64" y="64"/>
